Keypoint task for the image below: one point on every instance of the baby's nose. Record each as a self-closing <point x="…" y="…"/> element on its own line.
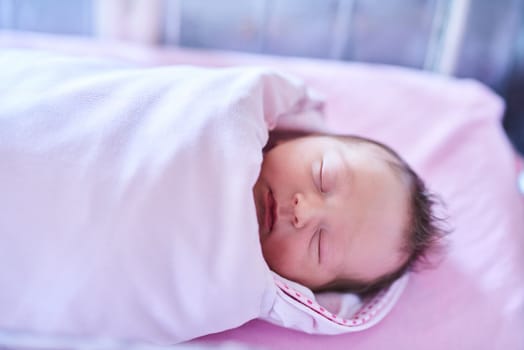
<point x="305" y="210"/>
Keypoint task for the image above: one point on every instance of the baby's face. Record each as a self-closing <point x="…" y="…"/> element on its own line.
<point x="330" y="210"/>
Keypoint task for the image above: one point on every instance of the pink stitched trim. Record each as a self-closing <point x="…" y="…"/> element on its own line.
<point x="366" y="313"/>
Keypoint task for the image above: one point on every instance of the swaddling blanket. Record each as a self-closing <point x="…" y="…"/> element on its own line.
<point x="126" y="203"/>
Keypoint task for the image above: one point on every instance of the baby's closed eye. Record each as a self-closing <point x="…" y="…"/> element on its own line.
<point x="318" y="245"/>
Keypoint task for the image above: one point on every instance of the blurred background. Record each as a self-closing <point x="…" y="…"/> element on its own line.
<point x="480" y="39"/>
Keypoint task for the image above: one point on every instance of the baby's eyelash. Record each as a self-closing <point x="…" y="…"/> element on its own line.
<point x="320" y="175"/>
<point x="319" y="236"/>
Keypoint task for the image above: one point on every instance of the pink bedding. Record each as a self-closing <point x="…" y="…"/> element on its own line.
<point x="449" y="130"/>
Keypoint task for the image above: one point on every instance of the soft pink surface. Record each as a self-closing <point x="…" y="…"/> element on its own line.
<point x="450" y="131"/>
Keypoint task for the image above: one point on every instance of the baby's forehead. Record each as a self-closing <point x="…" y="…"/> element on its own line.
<point x="368" y="144"/>
<point x="378" y="151"/>
<point x="366" y="147"/>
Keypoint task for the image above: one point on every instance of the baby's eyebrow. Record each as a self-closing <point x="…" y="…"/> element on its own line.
<point x="340" y="167"/>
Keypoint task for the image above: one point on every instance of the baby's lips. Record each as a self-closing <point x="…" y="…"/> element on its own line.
<point x="274" y="210"/>
<point x="267" y="211"/>
<point x="270" y="211"/>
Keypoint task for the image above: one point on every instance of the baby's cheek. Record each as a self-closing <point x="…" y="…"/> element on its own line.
<point x="281" y="257"/>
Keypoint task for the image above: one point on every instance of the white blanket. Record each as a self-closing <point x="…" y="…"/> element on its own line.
<point x="126" y="204"/>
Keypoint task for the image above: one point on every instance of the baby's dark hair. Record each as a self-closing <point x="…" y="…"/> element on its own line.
<point x="425" y="231"/>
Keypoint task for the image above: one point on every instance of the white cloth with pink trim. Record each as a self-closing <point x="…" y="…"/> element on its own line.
<point x="126" y="204"/>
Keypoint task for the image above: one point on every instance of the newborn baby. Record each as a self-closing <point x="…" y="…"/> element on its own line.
<point x="342" y="213"/>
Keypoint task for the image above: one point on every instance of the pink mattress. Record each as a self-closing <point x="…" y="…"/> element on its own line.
<point x="450" y="131"/>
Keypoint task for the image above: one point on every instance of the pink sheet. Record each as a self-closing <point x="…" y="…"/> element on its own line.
<point x="449" y="130"/>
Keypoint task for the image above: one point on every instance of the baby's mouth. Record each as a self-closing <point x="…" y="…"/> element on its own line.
<point x="270" y="212"/>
